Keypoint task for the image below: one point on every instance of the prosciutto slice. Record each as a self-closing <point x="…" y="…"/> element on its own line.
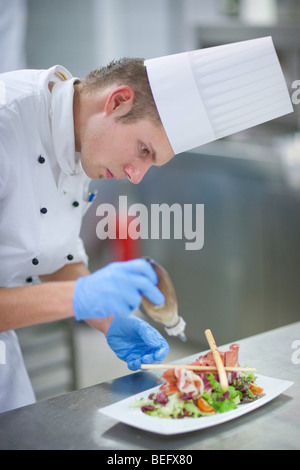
<point x="184" y="381"/>
<point x="232" y="356"/>
<point x="229" y="358"/>
<point x="189" y="382"/>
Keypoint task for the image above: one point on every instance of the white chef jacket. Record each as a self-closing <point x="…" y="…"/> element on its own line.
<point x="43" y="196"/>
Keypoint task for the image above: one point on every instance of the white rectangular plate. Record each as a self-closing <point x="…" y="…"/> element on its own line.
<point x="124" y="412"/>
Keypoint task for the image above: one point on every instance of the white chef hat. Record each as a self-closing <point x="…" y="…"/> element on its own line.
<point x="211" y="93"/>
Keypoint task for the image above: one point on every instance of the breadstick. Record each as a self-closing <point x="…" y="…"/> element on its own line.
<point x="220" y="366"/>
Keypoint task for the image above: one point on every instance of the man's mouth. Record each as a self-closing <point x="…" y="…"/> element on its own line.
<point x="109" y="175"/>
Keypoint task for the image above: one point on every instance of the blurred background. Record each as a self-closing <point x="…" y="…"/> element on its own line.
<point x="245" y="279"/>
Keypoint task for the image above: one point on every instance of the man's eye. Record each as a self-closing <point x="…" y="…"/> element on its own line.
<point x="145" y="150"/>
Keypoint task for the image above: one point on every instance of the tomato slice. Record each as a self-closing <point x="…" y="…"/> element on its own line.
<point x="204" y="406"/>
<point x="255" y="389"/>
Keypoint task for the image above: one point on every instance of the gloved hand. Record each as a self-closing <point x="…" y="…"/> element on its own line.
<point x="116" y="289"/>
<point x="136" y="342"/>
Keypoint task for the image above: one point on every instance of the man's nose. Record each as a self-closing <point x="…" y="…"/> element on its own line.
<point x="136" y="173"/>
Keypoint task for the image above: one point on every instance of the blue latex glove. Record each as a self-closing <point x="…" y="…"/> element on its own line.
<point x="116" y="289"/>
<point x="136" y="342"/>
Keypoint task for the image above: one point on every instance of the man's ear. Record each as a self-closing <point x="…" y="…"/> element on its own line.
<point x="119" y="101"/>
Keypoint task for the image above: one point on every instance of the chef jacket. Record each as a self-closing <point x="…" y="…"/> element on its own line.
<point x="43" y="197"/>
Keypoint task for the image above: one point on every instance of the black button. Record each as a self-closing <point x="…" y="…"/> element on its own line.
<point x="44" y="210"/>
<point x="70" y="257"/>
<point x="41" y="159"/>
<point x="35" y="261"/>
<point x="29" y="279"/>
<point x="75" y="204"/>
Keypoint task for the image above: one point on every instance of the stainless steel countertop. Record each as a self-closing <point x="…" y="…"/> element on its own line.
<point x="72" y="421"/>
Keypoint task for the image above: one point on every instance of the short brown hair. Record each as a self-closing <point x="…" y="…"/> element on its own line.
<point x="130" y="72"/>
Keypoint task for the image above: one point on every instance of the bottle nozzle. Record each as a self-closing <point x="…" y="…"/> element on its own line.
<point x="182" y="337"/>
<point x="177" y="329"/>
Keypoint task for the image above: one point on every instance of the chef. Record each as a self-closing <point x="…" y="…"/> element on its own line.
<point x="57" y="132"/>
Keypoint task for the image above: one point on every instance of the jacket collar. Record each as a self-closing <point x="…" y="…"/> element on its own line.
<point x="62" y="127"/>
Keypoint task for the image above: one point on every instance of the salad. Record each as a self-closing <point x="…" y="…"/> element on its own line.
<point x="188" y="393"/>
